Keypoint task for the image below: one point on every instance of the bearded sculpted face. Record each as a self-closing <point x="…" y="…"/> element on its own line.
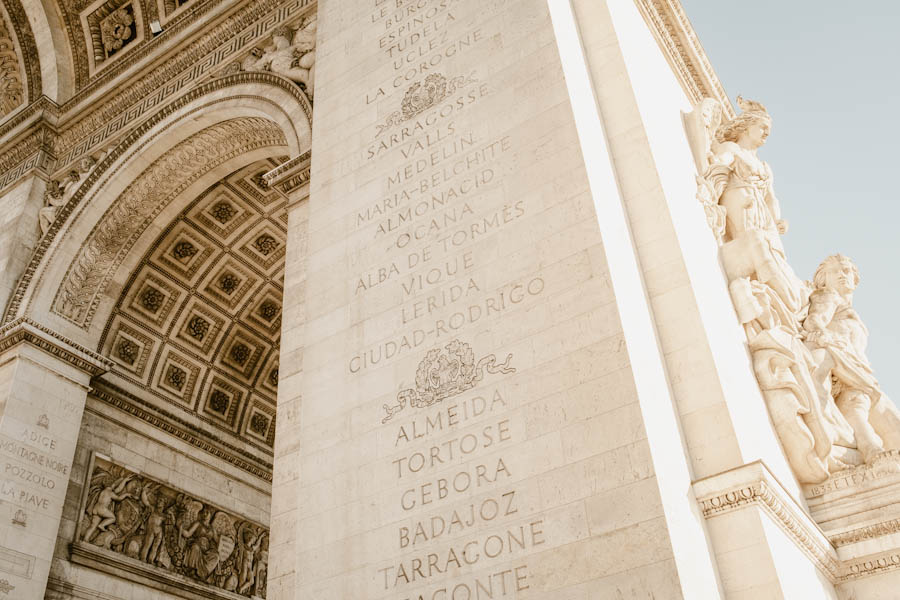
<point x="840" y="276"/>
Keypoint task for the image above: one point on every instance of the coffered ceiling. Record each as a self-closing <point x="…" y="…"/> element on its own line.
<point x="197" y="327"/>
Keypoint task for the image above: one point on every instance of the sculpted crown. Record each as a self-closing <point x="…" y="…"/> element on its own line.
<point x="752" y="112"/>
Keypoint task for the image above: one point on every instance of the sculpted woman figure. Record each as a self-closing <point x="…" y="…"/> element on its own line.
<point x="742" y="185"/>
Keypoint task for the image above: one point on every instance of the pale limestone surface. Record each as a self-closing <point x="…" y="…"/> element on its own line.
<point x="510" y="364"/>
<point x="455" y="275"/>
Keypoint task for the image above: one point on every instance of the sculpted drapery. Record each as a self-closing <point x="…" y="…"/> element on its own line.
<point x="807" y="342"/>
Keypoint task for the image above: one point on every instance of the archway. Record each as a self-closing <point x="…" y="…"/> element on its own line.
<point x="166" y="265"/>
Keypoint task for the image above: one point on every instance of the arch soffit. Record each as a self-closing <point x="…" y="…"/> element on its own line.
<point x="255" y="98"/>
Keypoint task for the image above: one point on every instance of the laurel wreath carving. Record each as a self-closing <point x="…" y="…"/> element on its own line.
<point x="119" y="228"/>
<point x="445" y="373"/>
<point x="12" y="92"/>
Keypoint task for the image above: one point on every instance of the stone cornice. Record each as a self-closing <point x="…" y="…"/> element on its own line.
<point x="290" y="175"/>
<point x="43" y="109"/>
<point x="30" y="135"/>
<point x="89" y="555"/>
<point x="37" y="135"/>
<point x="874" y="564"/>
<point x="754" y="485"/>
<point x="678" y="40"/>
<point x="182" y="429"/>
<point x="24" y="330"/>
<point x="860" y="534"/>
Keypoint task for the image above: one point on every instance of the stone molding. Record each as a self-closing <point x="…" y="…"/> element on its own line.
<point x="290" y="175"/>
<point x="88" y="555"/>
<point x="12" y="92"/>
<point x="874" y="564"/>
<point x="180" y="428"/>
<point x="753" y="485"/>
<point x="57" y="589"/>
<point x="31" y="150"/>
<point x="677" y="38"/>
<point x="43" y="108"/>
<point x="861" y="534"/>
<point x="35" y="135"/>
<point x="25" y="330"/>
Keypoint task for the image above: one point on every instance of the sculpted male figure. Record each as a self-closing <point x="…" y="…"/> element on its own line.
<point x="153" y="537"/>
<point x="837" y="338"/>
<point x="101" y="512"/>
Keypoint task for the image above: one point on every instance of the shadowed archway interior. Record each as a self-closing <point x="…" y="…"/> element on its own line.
<point x="197" y="327"/>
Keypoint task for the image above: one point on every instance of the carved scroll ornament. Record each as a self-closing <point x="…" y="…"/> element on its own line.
<point x="807" y="342"/>
<point x="145" y="520"/>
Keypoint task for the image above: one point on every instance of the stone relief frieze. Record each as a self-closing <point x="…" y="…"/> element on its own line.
<point x="150" y="522"/>
<point x="807" y="342"/>
<point x="291" y="54"/>
<point x="59" y="191"/>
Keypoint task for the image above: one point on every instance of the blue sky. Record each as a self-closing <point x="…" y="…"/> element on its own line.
<point x="828" y="74"/>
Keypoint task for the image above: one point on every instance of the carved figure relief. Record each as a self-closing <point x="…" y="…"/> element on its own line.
<point x="807" y="342"/>
<point x="291" y="54"/>
<point x="443" y="374"/>
<point x="145" y="520"/>
<point x="59" y="191"/>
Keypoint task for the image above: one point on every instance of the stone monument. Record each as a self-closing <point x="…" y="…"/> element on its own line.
<point x="415" y="300"/>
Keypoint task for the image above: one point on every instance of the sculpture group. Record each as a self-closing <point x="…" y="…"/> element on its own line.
<point x="146" y="521"/>
<point x="807" y="342"/>
<point x="291" y="54"/>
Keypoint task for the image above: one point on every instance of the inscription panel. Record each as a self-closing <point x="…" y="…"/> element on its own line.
<point x="458" y="294"/>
